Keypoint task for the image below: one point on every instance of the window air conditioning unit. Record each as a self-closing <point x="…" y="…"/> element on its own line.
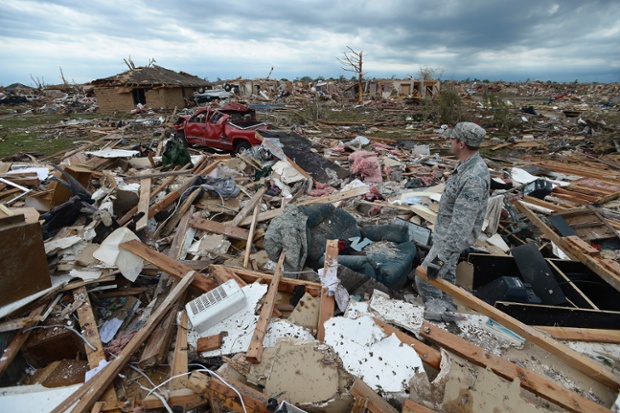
<point x="216" y="305"/>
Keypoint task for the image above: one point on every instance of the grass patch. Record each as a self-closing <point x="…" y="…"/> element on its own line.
<point x="33" y="133"/>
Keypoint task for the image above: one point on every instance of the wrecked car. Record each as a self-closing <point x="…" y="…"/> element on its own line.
<point x="231" y="128"/>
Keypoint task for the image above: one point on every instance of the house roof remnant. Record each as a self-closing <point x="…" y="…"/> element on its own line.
<point x="151" y="76"/>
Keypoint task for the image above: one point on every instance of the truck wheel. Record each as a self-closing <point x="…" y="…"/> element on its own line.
<point x="180" y="136"/>
<point x="241" y="146"/>
<point x="227" y="87"/>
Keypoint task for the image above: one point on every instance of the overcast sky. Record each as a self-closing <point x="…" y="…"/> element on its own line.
<point x="485" y="39"/>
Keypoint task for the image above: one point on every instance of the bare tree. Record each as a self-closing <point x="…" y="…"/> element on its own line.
<point x="352" y="62"/>
<point x="40" y="84"/>
<point x="430" y="73"/>
<point x="64" y="81"/>
<point x="152" y="62"/>
<point x="129" y="63"/>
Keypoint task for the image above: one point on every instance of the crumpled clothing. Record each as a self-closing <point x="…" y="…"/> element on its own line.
<point x="224" y="187"/>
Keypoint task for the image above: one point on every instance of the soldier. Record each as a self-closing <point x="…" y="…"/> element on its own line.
<point x="462" y="209"/>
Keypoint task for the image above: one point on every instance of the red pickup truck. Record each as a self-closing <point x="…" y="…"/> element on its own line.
<point x="232" y="127"/>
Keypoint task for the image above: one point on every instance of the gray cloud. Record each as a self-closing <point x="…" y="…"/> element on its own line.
<point x="545" y="39"/>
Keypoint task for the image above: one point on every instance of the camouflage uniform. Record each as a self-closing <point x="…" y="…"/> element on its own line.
<point x="461" y="213"/>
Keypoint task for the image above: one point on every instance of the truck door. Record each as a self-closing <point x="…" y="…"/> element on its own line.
<point x="215" y="130"/>
<point x="196" y="126"/>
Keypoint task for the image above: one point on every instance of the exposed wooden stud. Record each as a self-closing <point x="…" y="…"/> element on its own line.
<point x="255" y="350"/>
<point x="376" y="403"/>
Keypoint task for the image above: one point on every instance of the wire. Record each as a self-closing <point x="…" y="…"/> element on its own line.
<point x="208" y="371"/>
<point x="93" y="348"/>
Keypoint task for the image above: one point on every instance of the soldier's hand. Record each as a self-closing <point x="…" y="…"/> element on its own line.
<point x="435" y="268"/>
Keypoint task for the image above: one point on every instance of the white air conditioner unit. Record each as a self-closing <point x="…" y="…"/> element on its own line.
<point x="216" y="305"/>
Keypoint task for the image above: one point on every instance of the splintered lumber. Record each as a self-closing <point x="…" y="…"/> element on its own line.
<point x="20" y="338"/>
<point x="253" y="400"/>
<point x="220" y="228"/>
<point x="223" y="274"/>
<point x="143" y="203"/>
<point x="254" y="201"/>
<point x="255" y="351"/>
<point x="340" y="196"/>
<point x="376" y="403"/>
<point x="248" y="244"/>
<point x="167" y="264"/>
<point x="90" y="391"/>
<point x="210" y="343"/>
<point x="583" y="334"/>
<point x="587" y="366"/>
<point x="428" y="354"/>
<point x="172" y="222"/>
<point x="185" y="398"/>
<point x="89" y="329"/>
<point x="539" y="385"/>
<point x="179" y="358"/>
<point x="413" y="407"/>
<point x="326" y="310"/>
<point x="286" y="284"/>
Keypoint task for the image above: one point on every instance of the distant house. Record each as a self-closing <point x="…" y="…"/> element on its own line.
<point x="153" y="86"/>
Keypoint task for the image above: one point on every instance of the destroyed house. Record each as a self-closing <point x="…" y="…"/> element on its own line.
<point x="153" y="86"/>
<point x="404" y="87"/>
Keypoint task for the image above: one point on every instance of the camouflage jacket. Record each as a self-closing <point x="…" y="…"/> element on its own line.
<point x="462" y="208"/>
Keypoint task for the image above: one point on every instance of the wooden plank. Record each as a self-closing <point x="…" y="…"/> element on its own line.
<point x="587" y="366"/>
<point x="340" y="196"/>
<point x="90" y="391"/>
<point x="143" y="203"/>
<point x="20" y="338"/>
<point x="544" y="204"/>
<point x="167" y="264"/>
<point x="172" y="221"/>
<point x="376" y="403"/>
<point x="185" y="398"/>
<point x="89" y="330"/>
<point x="583" y="334"/>
<point x="179" y="358"/>
<point x="253" y="400"/>
<point x="412" y="407"/>
<point x="220" y="228"/>
<point x="428" y="354"/>
<point x="248" y="244"/>
<point x="222" y="274"/>
<point x="209" y="343"/>
<point x="539" y="385"/>
<point x="254" y="201"/>
<point x="286" y="284"/>
<point x="255" y="350"/>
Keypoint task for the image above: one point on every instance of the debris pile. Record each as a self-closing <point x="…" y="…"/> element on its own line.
<point x="140" y="276"/>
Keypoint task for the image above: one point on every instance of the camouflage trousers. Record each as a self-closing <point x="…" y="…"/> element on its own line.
<point x="427" y="291"/>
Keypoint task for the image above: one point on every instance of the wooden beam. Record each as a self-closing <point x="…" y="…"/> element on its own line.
<point x="167" y="264"/>
<point x="20" y="338"/>
<point x="179" y="358"/>
<point x="253" y="400"/>
<point x="209" y="343"/>
<point x="286" y="284"/>
<point x="539" y="385"/>
<point x="587" y="366"/>
<point x="220" y="228"/>
<point x="376" y="403"/>
<point x="248" y="244"/>
<point x="88" y="325"/>
<point x="143" y="203"/>
<point x="583" y="334"/>
<point x="254" y="201"/>
<point x="90" y="391"/>
<point x="340" y="196"/>
<point x="428" y="354"/>
<point x="412" y="407"/>
<point x="185" y="398"/>
<point x="255" y="351"/>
